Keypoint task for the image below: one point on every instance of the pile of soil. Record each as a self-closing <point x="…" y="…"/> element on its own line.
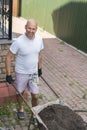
<point x="59" y="117"/>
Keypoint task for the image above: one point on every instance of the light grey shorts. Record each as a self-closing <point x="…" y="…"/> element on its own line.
<point x="29" y="81"/>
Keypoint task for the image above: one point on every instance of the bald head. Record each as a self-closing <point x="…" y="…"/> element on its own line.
<point x="31" y="21"/>
<point x="31" y="28"/>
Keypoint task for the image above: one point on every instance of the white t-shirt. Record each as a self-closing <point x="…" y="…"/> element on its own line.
<point x="26" y="53"/>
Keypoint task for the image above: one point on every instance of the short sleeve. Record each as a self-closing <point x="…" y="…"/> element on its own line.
<point x="14" y="47"/>
<point x="42" y="44"/>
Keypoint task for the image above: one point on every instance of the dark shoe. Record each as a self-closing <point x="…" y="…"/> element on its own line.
<point x="20" y="115"/>
<point x="35" y="121"/>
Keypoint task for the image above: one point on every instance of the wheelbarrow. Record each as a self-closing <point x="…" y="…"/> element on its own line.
<point x="37" y="109"/>
<point x="63" y="118"/>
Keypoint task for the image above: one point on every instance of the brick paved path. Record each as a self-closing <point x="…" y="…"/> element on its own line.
<point x="65" y="69"/>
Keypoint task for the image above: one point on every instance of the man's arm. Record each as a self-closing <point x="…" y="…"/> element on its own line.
<point x="8" y="62"/>
<point x="40" y="64"/>
<point x="40" y="60"/>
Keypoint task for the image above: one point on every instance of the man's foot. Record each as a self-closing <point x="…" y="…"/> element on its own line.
<point x="20" y="115"/>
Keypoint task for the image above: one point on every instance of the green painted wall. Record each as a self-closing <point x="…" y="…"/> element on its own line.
<point x="67" y="19"/>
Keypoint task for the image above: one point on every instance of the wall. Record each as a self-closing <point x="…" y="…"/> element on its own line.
<point x="3" y="51"/>
<point x="67" y="19"/>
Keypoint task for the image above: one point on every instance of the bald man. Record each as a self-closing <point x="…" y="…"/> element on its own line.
<point x="27" y="48"/>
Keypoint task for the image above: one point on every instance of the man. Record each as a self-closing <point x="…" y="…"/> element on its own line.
<point x="27" y="50"/>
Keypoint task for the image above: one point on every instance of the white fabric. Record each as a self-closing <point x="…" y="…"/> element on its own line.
<point x="26" y="53"/>
<point x="27" y="81"/>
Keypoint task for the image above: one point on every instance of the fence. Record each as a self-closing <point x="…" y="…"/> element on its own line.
<point x="6" y="19"/>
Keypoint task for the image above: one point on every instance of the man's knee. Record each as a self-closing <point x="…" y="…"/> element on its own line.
<point x="35" y="96"/>
<point x="34" y="100"/>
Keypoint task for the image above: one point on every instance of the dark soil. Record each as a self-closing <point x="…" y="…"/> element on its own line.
<point x="58" y="117"/>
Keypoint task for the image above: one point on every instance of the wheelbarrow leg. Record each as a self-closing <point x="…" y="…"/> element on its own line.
<point x="30" y="122"/>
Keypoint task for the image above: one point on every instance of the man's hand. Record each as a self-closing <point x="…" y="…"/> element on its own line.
<point x="39" y="72"/>
<point x="9" y="79"/>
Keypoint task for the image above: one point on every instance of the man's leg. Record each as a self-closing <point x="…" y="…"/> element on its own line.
<point x="20" y="102"/>
<point x="21" y="84"/>
<point x="34" y="99"/>
<point x="34" y="103"/>
<point x="20" y="112"/>
<point x="34" y="90"/>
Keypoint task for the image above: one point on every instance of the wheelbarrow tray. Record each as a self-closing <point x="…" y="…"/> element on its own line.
<point x="39" y="108"/>
<point x="58" y="115"/>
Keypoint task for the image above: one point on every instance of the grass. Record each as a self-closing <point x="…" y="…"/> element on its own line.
<point x="41" y="96"/>
<point x="4" y="110"/>
<point x="8" y="116"/>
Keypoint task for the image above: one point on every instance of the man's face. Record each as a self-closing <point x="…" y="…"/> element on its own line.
<point x="31" y="29"/>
